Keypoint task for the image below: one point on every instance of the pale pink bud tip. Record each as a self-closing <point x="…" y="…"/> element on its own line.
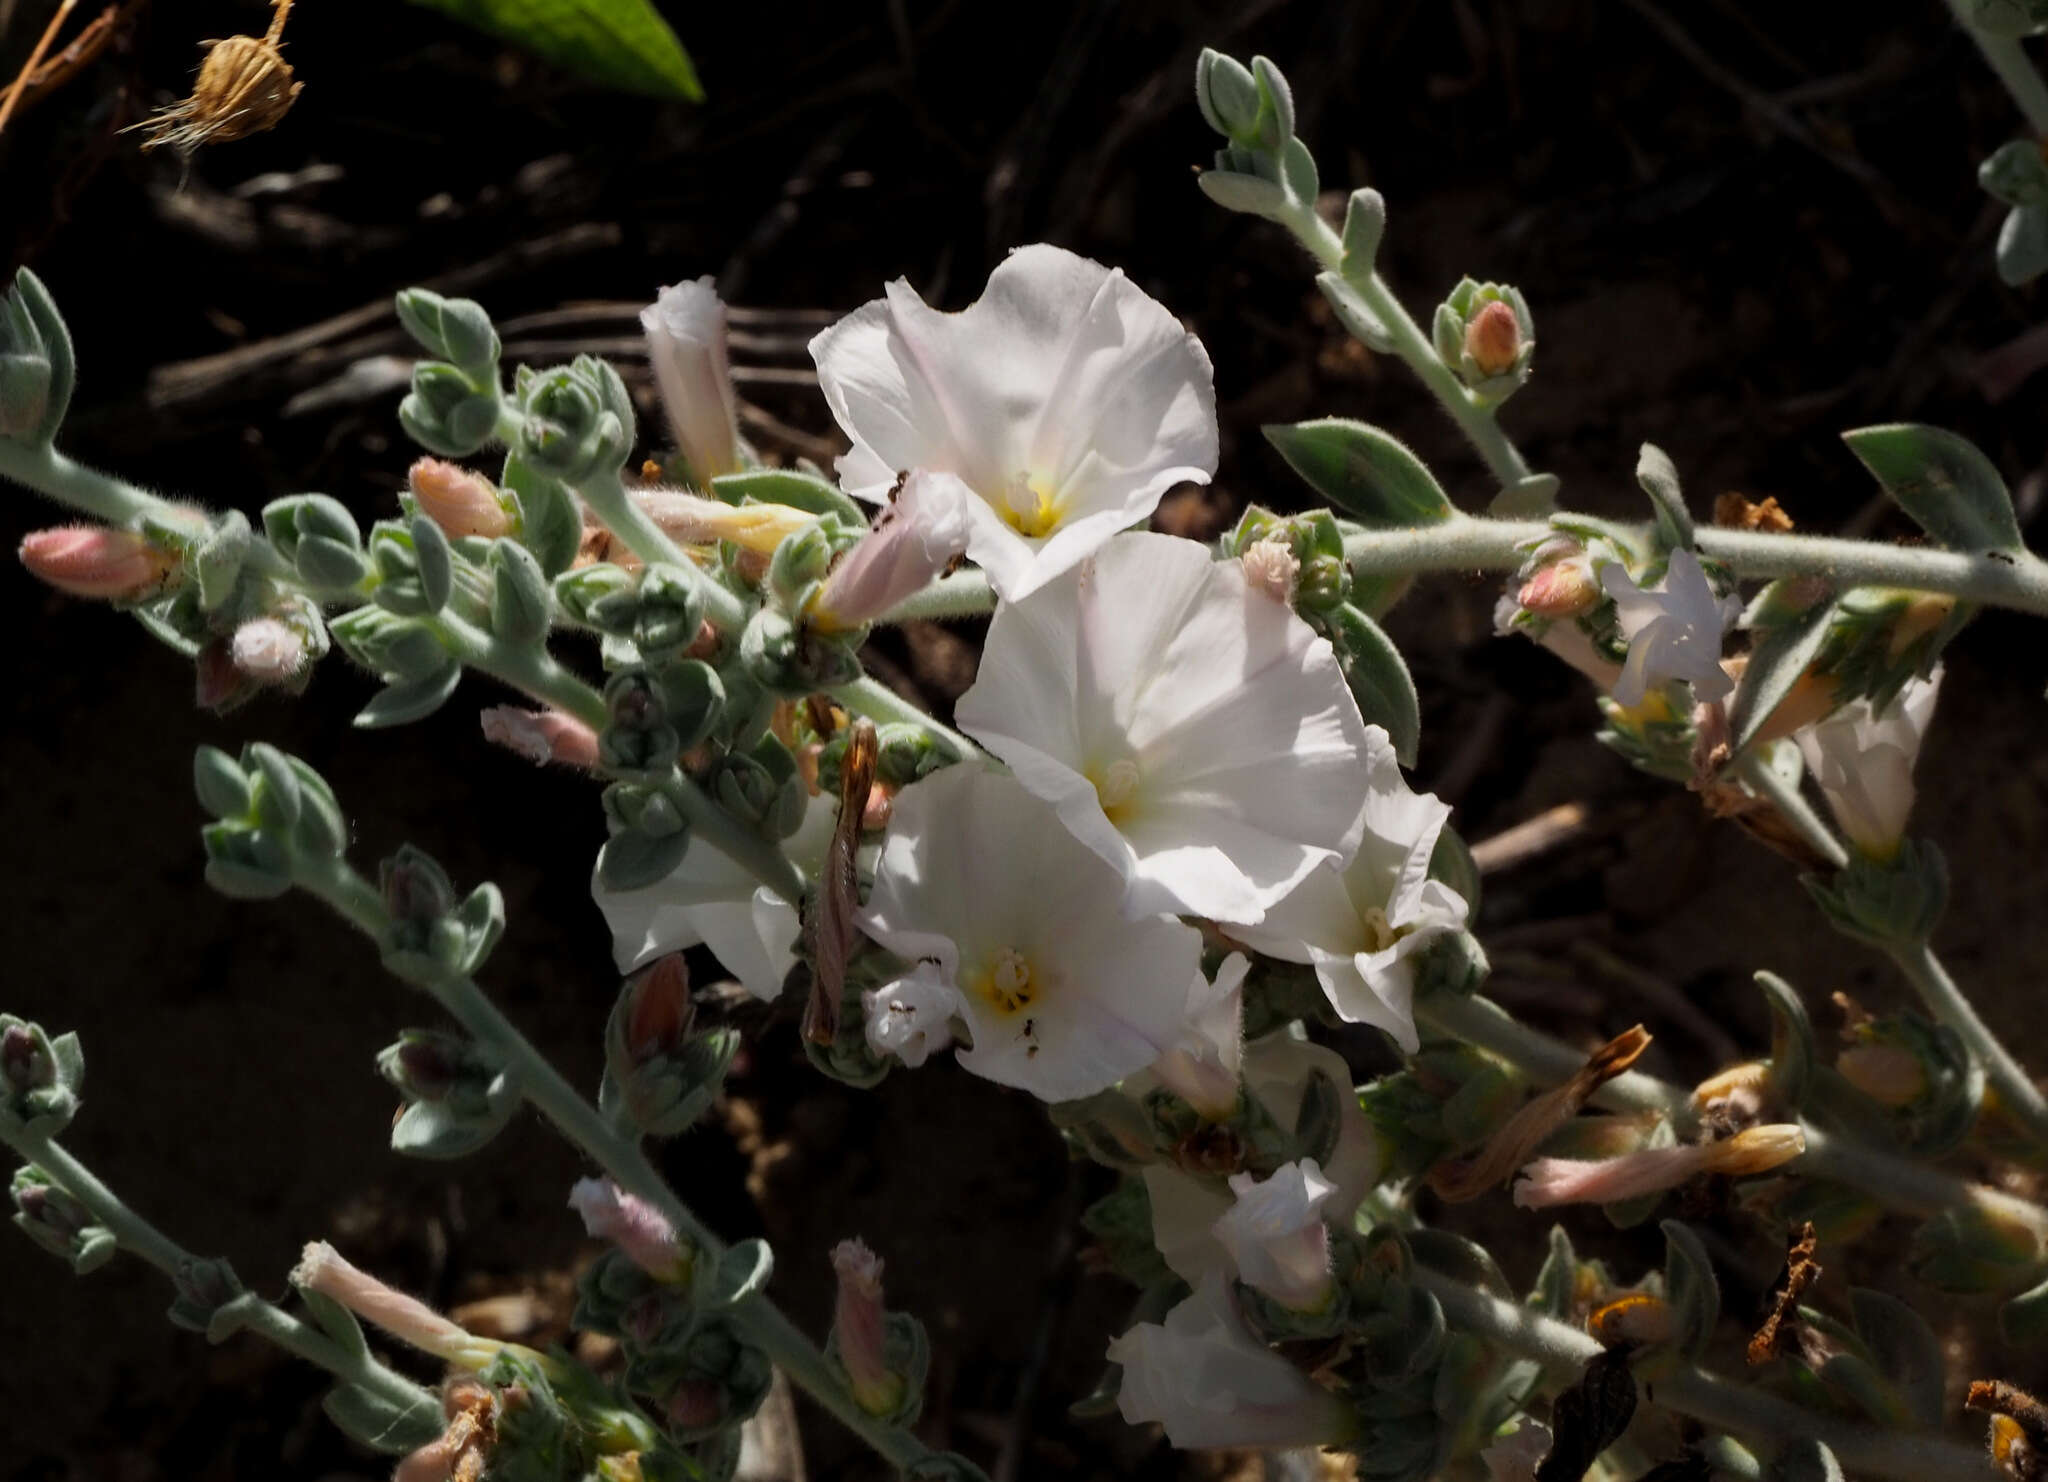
<point x="640" y="1231"/>
<point x="1272" y="567"/>
<point x="860" y="1328"/>
<point x="541" y="736"/>
<point x="1494" y="338"/>
<point x="1562" y="589"/>
<point x="460" y="502"/>
<point x="268" y="651"/>
<point x="94" y="561"/>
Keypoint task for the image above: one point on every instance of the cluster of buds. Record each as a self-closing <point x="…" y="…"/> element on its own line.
<point x="1485" y="333"/>
<point x="2017" y="174"/>
<point x="47" y="1213"/>
<point x="659" y="1076"/>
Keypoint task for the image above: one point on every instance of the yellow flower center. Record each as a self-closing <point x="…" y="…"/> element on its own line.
<point x="1029" y="509"/>
<point x="1116" y="786"/>
<point x="1380" y="933"/>
<point x="1005" y="984"/>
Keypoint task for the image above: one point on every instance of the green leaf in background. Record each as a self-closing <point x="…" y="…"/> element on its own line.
<point x="1951" y="490"/>
<point x="622" y="43"/>
<point x="1363" y="472"/>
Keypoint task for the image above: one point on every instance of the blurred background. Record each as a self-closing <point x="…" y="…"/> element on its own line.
<point x="1741" y="227"/>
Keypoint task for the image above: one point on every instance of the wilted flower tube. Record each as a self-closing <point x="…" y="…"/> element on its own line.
<point x="1064" y="402"/>
<point x="914" y="538"/>
<point x="685" y="329"/>
<point x="322" y="1269"/>
<point x="640" y="1231"/>
<point x="541" y="736"/>
<point x="1276" y="1235"/>
<point x="1549" y="1181"/>
<point x="860" y="1328"/>
<point x="1863" y="760"/>
<point x="1204" y="1377"/>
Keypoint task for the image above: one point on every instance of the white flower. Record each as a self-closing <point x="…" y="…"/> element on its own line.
<point x="1211" y="1383"/>
<point x="1185" y="1210"/>
<point x="912" y="1017"/>
<point x="1674" y="630"/>
<point x="711" y="899"/>
<point x="1362" y="925"/>
<point x="1190" y="731"/>
<point x="1276" y="1235"/>
<point x="1063" y="399"/>
<point x="1202" y="1068"/>
<point x="1863" y="760"/>
<point x="914" y="538"/>
<point x="685" y="329"/>
<point x="1004" y="911"/>
<point x="1278" y="1070"/>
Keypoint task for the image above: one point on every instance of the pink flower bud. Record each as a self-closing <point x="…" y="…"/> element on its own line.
<point x="1563" y="589"/>
<point x="541" y="736"/>
<point x="1272" y="567"/>
<point x="695" y="1405"/>
<point x="268" y="651"/>
<point x="1494" y="338"/>
<point x="1549" y="1181"/>
<point x="640" y="1231"/>
<point x="460" y="502"/>
<point x="217" y="685"/>
<point x="860" y="1329"/>
<point x="322" y="1269"/>
<point x="914" y="538"/>
<point x="95" y="561"/>
<point x="685" y="328"/>
<point x="659" y="1012"/>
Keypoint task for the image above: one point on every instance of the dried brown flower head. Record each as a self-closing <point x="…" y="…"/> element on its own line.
<point x="245" y="86"/>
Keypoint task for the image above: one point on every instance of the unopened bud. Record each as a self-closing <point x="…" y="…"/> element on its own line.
<point x="1494" y="339"/>
<point x="658" y="1009"/>
<point x="23" y="1065"/>
<point x="268" y="651"/>
<point x="460" y="502"/>
<point x="541" y="736"/>
<point x="694" y="1405"/>
<point x="860" y="1329"/>
<point x="1270" y="566"/>
<point x="916" y="536"/>
<point x="640" y="1231"/>
<point x="415" y="888"/>
<point x="686" y="342"/>
<point x="217" y="684"/>
<point x="1276" y="1235"/>
<point x="1888" y="1074"/>
<point x="98" y="562"/>
<point x="1563" y="589"/>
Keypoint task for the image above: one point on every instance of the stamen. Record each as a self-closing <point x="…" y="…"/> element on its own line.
<point x="1117" y="787"/>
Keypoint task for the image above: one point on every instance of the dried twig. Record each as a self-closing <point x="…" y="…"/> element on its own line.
<point x="35" y="60"/>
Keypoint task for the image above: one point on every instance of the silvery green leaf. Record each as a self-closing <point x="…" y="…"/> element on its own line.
<point x="454" y="329"/>
<point x="522" y="607"/>
<point x="635" y="860"/>
<point x="1378" y="678"/>
<point x="436" y="562"/>
<point x="1856" y="1377"/>
<point x="1359" y="322"/>
<point x="1804" y="1461"/>
<point x="277" y="786"/>
<point x="1298" y="173"/>
<point x="1247" y="193"/>
<point x="1457" y="1256"/>
<point x="1690" y="1288"/>
<point x="1556" y="1293"/>
<point x="1788" y="640"/>
<point x="217" y="562"/>
<point x="336" y="1321"/>
<point x="1452" y="863"/>
<point x="1791" y="1039"/>
<point x="1659" y="478"/>
<point x="740" y="1272"/>
<point x="1363" y="472"/>
<point x="382" y="1424"/>
<point x="1951" y="490"/>
<point x="322" y="831"/>
<point x="2023" y="1320"/>
<point x="55" y="339"/>
<point x="1905" y="1351"/>
<point x="2022" y="252"/>
<point x="410" y="700"/>
<point x="222" y="784"/>
<point x="1526" y="498"/>
<point x="482" y="919"/>
<point x="1365" y="223"/>
<point x="330" y="564"/>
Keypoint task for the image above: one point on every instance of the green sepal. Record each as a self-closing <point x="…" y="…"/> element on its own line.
<point x="381" y="1424"/>
<point x="739" y="1273"/>
<point x="2023" y="1320"/>
<point x="277" y="786"/>
<point x="336" y="1321"/>
<point x="55" y="345"/>
<point x="409" y="700"/>
<point x="328" y="564"/>
<point x="223" y="786"/>
<point x="1791" y="1041"/>
<point x="634" y="860"/>
<point x="322" y="829"/>
<point x="435" y="562"/>
<point x="457" y="330"/>
<point x="1364" y="472"/>
<point x="522" y="607"/>
<point x="244" y="863"/>
<point x="217" y="559"/>
<point x="1365" y="224"/>
<point x="1949" y="488"/>
<point x="550" y="526"/>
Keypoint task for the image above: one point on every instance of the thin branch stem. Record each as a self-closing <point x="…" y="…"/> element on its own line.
<point x="963" y="594"/>
<point x="2009" y="60"/>
<point x="2018" y="1096"/>
<point x="532" y="670"/>
<point x="1863" y="1451"/>
<point x="870" y="697"/>
<point x="621" y="1156"/>
<point x="1503" y="459"/>
<point x="246" y="1312"/>
<point x="623" y="516"/>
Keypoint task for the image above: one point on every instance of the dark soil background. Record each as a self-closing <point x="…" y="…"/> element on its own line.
<point x="1735" y="257"/>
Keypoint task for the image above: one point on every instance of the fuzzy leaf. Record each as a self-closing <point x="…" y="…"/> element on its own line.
<point x="1951" y="490"/>
<point x="1379" y="679"/>
<point x="785" y="486"/>
<point x="1905" y="1351"/>
<point x="622" y="43"/>
<point x="1364" y="472"/>
<point x="1791" y="1039"/>
<point x="1782" y="652"/>
<point x="380" y="1424"/>
<point x="1690" y="1287"/>
<point x="1659" y="477"/>
<point x="409" y="700"/>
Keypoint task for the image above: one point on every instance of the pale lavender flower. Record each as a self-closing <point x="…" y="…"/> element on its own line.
<point x="1276" y="1235"/>
<point x="1674" y="630"/>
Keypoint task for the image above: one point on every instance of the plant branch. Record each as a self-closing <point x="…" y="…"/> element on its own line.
<point x="623" y="516"/>
<point x="530" y="669"/>
<point x="621" y="1156"/>
<point x="870" y="697"/>
<point x="2009" y="60"/>
<point x="2018" y="1096"/>
<point x="1792" y="805"/>
<point x="1564" y="1351"/>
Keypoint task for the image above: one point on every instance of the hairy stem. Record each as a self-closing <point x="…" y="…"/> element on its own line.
<point x="623" y="516"/>
<point x="621" y="1156"/>
<point x="1503" y="459"/>
<point x="882" y="705"/>
<point x="531" y="670"/>
<point x="1792" y="805"/>
<point x="247" y="1312"/>
<point x="2018" y="1096"/>
<point x="2009" y="60"/>
<point x="1864" y="1451"/>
